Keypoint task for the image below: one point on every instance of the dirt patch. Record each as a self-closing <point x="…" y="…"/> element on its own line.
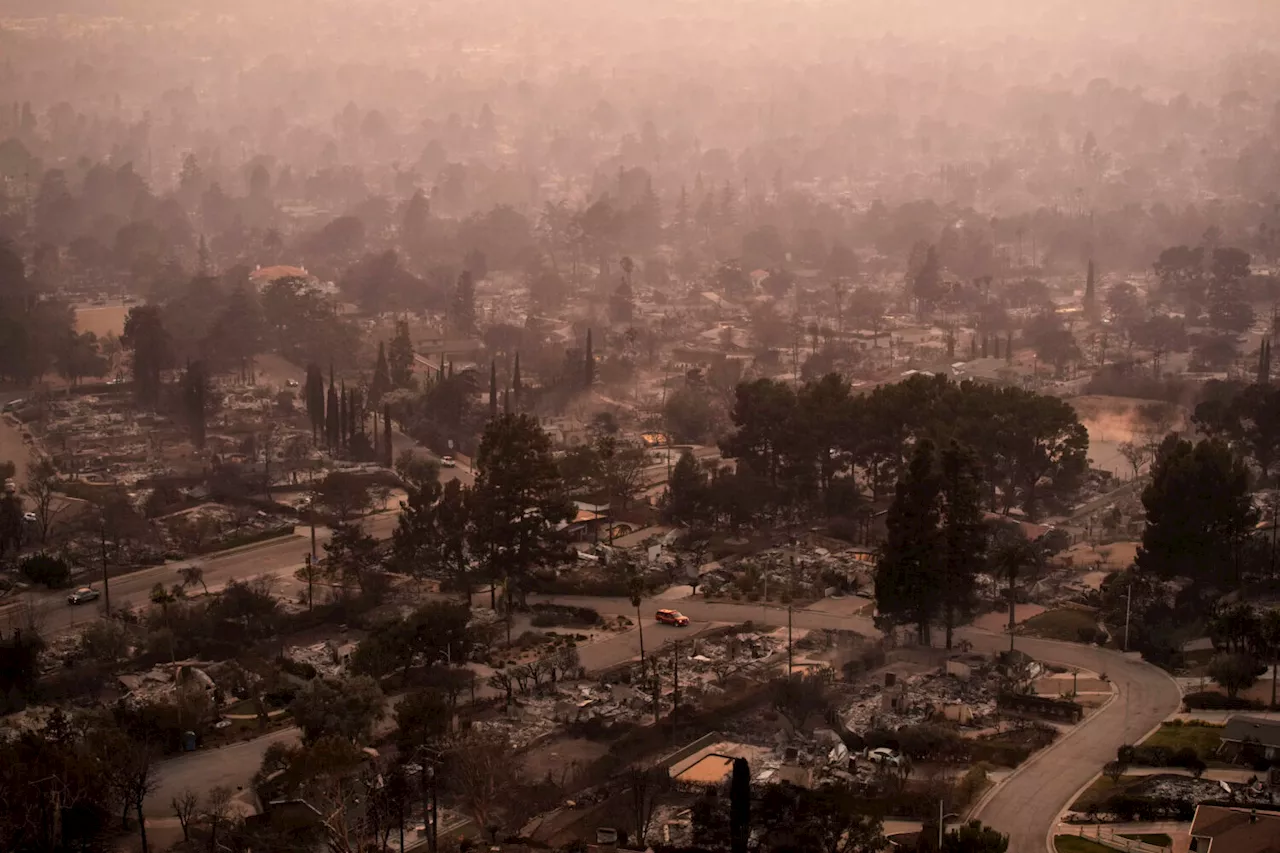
<point x="562" y="759"/>
<point x="101" y="320"/>
<point x="1063" y="624"/>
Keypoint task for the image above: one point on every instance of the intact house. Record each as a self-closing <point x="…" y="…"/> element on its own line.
<point x="1232" y="829"/>
<point x="1250" y="738"/>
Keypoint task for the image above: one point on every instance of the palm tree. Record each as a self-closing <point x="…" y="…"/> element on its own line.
<point x="1009" y="554"/>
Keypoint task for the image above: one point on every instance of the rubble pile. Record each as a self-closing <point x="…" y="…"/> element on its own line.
<point x="801" y="571"/>
<point x="964" y="692"/>
<point x="1191" y="790"/>
<point x="104" y="438"/>
<point x="329" y="658"/>
<point x="162" y="683"/>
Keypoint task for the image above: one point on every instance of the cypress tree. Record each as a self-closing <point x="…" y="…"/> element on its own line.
<point x="506" y="401"/>
<point x="740" y="806"/>
<point x="344" y="416"/>
<point x="589" y="362"/>
<point x="1008" y="348"/>
<point x="331" y="414"/>
<point x="314" y="394"/>
<point x="1264" y="362"/>
<point x="515" y="383"/>
<point x="1089" y="294"/>
<point x="493" y="389"/>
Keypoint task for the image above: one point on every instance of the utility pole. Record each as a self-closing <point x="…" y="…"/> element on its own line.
<point x="310" y="569"/>
<point x="675" y="683"/>
<point x="790" y="668"/>
<point x="106" y="588"/>
<point x="1128" y="609"/>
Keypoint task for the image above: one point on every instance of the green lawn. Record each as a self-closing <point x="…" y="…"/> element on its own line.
<point x="1202" y="738"/>
<point x="1075" y="844"/>
<point x="1061" y="624"/>
<point x="1159" y="839"/>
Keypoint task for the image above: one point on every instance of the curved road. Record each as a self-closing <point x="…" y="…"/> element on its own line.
<point x="1029" y="802"/>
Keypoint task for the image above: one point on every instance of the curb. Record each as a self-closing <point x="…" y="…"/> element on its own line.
<point x="1053" y="829"/>
<point x="1039" y="756"/>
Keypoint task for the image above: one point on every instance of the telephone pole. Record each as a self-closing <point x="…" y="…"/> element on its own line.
<point x="1128" y="610"/>
<point x="106" y="587"/>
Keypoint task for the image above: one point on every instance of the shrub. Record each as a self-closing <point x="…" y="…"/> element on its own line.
<point x="556" y="615"/>
<point x="47" y="570"/>
<point x="1208" y="700"/>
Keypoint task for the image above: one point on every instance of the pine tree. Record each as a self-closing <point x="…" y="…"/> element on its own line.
<point x="381" y="383"/>
<point x="964" y="540"/>
<point x="904" y="591"/>
<point x="589" y="363"/>
<point x="515" y="384"/>
<point x="519" y="501"/>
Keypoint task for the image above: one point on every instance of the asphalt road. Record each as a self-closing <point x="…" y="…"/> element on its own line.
<point x="1028" y="804"/>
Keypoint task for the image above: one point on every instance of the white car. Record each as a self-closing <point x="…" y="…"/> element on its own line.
<point x="448" y="462"/>
<point x="884" y="755"/>
<point x="30" y="517"/>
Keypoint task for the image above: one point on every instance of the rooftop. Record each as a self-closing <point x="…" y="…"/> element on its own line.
<point x="1245" y="728"/>
<point x="1237" y="830"/>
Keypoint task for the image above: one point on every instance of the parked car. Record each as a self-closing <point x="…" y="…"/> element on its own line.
<point x="672" y="617"/>
<point x="884" y="755"/>
<point x="448" y="462"/>
<point x="29" y="517"/>
<point x="291" y="383"/>
<point x="83" y="595"/>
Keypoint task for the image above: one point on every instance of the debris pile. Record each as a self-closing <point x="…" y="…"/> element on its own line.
<point x="799" y="572"/>
<point x="964" y="692"/>
<point x="1188" y="789"/>
<point x="329" y="658"/>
